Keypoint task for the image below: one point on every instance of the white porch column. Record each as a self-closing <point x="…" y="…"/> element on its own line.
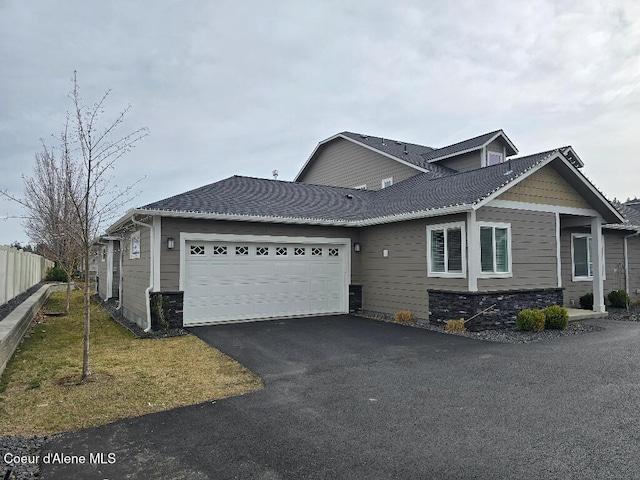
<point x="109" y="278"/>
<point x="473" y="251"/>
<point x="596" y="256"/>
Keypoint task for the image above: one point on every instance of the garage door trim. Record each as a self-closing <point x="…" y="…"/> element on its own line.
<point x="221" y="237"/>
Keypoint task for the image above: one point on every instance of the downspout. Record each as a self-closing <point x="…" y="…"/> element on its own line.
<point x="626" y="261"/>
<point x="150" y="287"/>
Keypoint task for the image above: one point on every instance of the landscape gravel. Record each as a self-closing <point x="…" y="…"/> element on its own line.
<point x="21" y="446"/>
<point x="11" y="305"/>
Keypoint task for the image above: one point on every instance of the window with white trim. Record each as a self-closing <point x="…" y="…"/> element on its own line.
<point x="494" y="158"/>
<point x="495" y="249"/>
<point x="103" y="254"/>
<point x="446" y="250"/>
<point x="582" y="257"/>
<point x="387" y="182"/>
<point x="134" y="245"/>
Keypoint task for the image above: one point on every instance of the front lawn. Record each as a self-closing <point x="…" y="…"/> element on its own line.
<point x="40" y="395"/>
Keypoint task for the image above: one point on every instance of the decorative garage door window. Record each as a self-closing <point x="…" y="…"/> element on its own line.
<point x="281" y="251"/>
<point x="333" y="252"/>
<point x="219" y="250"/>
<point x="262" y="251"/>
<point x="315" y="251"/>
<point x="242" y="250"/>
<point x="197" y="250"/>
<point x="299" y="251"/>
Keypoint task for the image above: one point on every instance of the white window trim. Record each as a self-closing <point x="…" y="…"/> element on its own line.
<point x="588" y="278"/>
<point x="103" y="254"/>
<point x="444" y="226"/>
<point x="494" y="274"/>
<point x="361" y="187"/>
<point x="134" y="235"/>
<point x="485" y="158"/>
<point x="384" y="180"/>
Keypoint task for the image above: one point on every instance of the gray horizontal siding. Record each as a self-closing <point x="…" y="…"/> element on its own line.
<point x="102" y="273"/>
<point x="533" y="248"/>
<point x="633" y="245"/>
<point x="136" y="279"/>
<point x="171" y="227"/>
<point x="614" y="265"/>
<point x="464" y="162"/>
<point x="399" y="281"/>
<point x="342" y="163"/>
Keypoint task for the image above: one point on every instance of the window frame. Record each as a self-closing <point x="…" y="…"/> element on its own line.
<point x="463" y="246"/>
<point x="492" y="152"/>
<point x="134" y="236"/>
<point x="494" y="273"/>
<point x="384" y="180"/>
<point x="588" y="278"/>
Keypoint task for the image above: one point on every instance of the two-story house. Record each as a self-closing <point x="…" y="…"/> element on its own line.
<point x="443" y="232"/>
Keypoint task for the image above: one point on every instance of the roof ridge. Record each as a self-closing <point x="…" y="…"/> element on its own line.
<point x="469" y="139"/>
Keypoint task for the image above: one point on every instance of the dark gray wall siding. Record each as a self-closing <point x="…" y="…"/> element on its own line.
<point x="464" y="162"/>
<point x="136" y="279"/>
<point x="171" y="227"/>
<point x="102" y="273"/>
<point x="344" y="164"/>
<point x="533" y="248"/>
<point x="400" y="282"/>
<point x="633" y="245"/>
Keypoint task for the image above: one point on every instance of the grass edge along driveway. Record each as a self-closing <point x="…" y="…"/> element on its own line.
<point x="40" y="394"/>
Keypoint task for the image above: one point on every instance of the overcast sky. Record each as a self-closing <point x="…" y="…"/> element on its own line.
<point x="244" y="88"/>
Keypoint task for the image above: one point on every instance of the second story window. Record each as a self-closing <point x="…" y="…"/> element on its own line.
<point x="494" y="158"/>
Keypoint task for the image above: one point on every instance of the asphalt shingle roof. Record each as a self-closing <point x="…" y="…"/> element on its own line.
<point x="248" y="196"/>
<point x="395" y="148"/>
<point x="469" y="144"/>
<point x="630" y="212"/>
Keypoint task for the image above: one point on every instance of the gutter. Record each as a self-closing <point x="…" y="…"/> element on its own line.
<point x="626" y="260"/>
<point x="150" y="287"/>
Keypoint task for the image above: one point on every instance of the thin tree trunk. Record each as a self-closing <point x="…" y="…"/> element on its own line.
<point x="87" y="313"/>
<point x="68" y="293"/>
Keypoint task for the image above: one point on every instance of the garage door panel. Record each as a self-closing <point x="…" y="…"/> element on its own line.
<point x="237" y="283"/>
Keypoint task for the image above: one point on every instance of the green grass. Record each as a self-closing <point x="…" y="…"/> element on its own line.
<point x="40" y="392"/>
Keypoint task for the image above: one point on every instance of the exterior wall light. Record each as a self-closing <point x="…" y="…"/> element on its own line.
<point x="356" y="247"/>
<point x="171" y="243"/>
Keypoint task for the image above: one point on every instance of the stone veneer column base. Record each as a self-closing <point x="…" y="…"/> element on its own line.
<point x="446" y="305"/>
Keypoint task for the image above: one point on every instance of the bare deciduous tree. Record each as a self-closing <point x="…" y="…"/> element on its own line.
<point x="70" y="200"/>
<point x="95" y="151"/>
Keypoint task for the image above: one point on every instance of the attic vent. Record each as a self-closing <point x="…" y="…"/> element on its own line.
<point x="398" y="143"/>
<point x="365" y="136"/>
<point x="348" y="195"/>
<point x="404" y="150"/>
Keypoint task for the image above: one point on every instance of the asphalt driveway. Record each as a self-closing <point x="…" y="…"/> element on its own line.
<point x="347" y="397"/>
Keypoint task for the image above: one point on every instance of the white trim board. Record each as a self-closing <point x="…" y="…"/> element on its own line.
<point x="540" y="207"/>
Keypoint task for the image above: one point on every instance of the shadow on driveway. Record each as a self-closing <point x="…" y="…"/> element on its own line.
<point x="347" y="397"/>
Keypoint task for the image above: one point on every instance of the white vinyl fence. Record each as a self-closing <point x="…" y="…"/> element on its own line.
<point x="19" y="271"/>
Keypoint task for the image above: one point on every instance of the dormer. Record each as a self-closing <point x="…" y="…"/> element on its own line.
<point x="482" y="151"/>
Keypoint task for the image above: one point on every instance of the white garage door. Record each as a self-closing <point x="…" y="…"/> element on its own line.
<point x="230" y="281"/>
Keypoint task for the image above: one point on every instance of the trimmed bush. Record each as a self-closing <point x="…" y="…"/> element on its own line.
<point x="556" y="317"/>
<point x="586" y="301"/>
<point x="405" y="316"/>
<point x="530" y="320"/>
<point x="56" y="274"/>
<point x="454" y="326"/>
<point x="618" y="298"/>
